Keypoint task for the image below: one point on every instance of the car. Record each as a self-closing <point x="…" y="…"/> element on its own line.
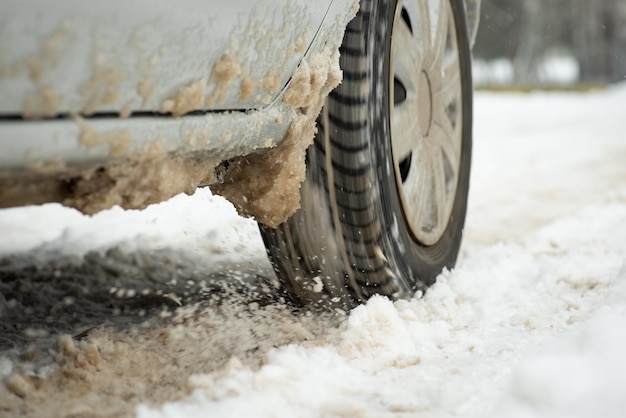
<point x="344" y="129"/>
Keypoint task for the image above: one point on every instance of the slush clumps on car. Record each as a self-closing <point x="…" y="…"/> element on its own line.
<point x="118" y="141"/>
<point x="42" y="103"/>
<point x="138" y="181"/>
<point x="266" y="185"/>
<point x="187" y="98"/>
<point x="224" y="72"/>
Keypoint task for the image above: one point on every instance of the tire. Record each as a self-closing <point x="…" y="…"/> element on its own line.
<point x="384" y="202"/>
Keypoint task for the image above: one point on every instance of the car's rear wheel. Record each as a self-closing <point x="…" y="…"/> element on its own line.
<point x="384" y="202"/>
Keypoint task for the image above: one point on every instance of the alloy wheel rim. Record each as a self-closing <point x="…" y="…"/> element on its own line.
<point x="426" y="114"/>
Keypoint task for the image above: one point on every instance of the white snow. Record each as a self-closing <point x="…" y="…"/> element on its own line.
<point x="202" y="224"/>
<point x="558" y="69"/>
<point x="554" y="68"/>
<point x="495" y="72"/>
<point x="531" y="323"/>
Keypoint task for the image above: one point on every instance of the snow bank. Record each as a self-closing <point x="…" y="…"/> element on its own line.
<point x="203" y="224"/>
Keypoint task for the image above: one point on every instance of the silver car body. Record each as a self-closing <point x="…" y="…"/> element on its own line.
<point x="84" y="85"/>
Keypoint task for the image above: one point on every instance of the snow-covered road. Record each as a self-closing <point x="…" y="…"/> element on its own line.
<point x="531" y="323"/>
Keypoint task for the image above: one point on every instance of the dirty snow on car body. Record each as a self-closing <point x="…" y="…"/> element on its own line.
<point x="531" y="323"/>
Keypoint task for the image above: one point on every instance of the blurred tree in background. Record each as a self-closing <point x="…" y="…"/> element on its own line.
<point x="526" y="33"/>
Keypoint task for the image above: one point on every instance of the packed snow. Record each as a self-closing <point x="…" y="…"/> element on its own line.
<point x="531" y="322"/>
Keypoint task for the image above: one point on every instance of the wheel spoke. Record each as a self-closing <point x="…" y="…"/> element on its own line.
<point x="423" y="193"/>
<point x="424" y="24"/>
<point x="447" y="141"/>
<point x="407" y="57"/>
<point x="450" y="86"/>
<point x="441" y="35"/>
<point x="405" y="128"/>
<point x="405" y="122"/>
